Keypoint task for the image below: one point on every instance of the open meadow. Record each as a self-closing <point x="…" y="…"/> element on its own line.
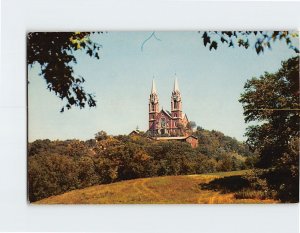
<point x="184" y="189"/>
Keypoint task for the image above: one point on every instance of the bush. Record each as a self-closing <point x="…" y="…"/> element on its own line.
<point x="250" y="194"/>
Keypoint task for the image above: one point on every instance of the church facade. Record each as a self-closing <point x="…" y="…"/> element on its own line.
<point x="167" y="123"/>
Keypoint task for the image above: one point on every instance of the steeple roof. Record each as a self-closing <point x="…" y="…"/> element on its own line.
<point x="153" y="89"/>
<point x="176" y="86"/>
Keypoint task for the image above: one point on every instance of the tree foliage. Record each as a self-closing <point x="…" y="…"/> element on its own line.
<point x="57" y="166"/>
<point x="272" y="100"/>
<point x="214" y="144"/>
<point x="244" y="39"/>
<point x="54" y="52"/>
<point x="102" y="135"/>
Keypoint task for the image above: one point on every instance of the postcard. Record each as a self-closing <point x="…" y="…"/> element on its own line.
<point x="164" y="117"/>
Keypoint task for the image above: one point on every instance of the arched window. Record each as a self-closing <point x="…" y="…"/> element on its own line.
<point x="163" y="122"/>
<point x="152" y="107"/>
<point x="175" y="105"/>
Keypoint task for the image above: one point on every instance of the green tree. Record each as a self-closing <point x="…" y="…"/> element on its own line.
<point x="272" y="100"/>
<point x="50" y="174"/>
<point x="77" y="148"/>
<point x="38" y="146"/>
<point x="102" y="135"/>
<point x="244" y="39"/>
<point x="87" y="174"/>
<point x="54" y="52"/>
<point x="191" y="125"/>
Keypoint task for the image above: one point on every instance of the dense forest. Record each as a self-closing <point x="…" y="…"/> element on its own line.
<point x="55" y="167"/>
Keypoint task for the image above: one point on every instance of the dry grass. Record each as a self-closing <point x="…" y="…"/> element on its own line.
<point x="157" y="190"/>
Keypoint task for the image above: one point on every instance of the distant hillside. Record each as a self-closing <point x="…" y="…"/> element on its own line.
<point x="158" y="190"/>
<point x="215" y="143"/>
<point x="55" y="167"/>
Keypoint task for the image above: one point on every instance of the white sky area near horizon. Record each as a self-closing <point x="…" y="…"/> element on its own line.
<point x="210" y="83"/>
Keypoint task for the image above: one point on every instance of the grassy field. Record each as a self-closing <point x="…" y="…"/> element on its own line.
<point x="158" y="190"/>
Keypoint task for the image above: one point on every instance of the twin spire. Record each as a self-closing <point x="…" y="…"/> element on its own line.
<point x="175" y="89"/>
<point x="176" y="86"/>
<point x="153" y="89"/>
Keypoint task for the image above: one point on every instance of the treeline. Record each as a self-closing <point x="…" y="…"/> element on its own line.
<point x="275" y="130"/>
<point x="55" y="167"/>
<point x="215" y="143"/>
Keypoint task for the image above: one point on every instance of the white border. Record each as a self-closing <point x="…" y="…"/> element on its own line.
<point x="20" y="16"/>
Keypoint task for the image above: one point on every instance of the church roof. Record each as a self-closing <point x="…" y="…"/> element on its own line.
<point x="185" y="116"/>
<point x="167" y="113"/>
<point x="134" y="132"/>
<point x="192" y="136"/>
<point x="170" y="138"/>
<point x="176" y="138"/>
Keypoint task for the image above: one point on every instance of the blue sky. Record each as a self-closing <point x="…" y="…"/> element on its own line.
<point x="210" y="82"/>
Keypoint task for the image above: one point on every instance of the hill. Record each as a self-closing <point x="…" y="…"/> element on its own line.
<point x="215" y="143"/>
<point x="184" y="189"/>
<point x="56" y="167"/>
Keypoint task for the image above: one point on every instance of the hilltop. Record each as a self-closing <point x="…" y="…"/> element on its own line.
<point x="56" y="167"/>
<point x="157" y="190"/>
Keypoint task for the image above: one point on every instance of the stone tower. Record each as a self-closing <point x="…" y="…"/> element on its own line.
<point x="153" y="108"/>
<point x="176" y="105"/>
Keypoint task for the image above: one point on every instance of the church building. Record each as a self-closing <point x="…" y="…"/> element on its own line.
<point x="165" y="125"/>
<point x="163" y="122"/>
